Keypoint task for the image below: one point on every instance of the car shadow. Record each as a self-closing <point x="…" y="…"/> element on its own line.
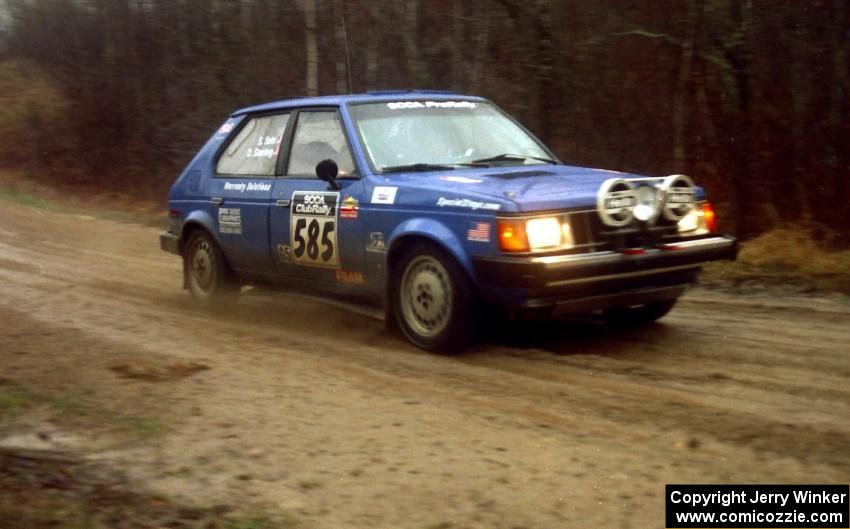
<point x="586" y="334"/>
<point x="566" y="336"/>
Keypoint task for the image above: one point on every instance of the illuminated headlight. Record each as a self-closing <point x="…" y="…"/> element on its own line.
<point x="544" y="233"/>
<point x="647" y="203"/>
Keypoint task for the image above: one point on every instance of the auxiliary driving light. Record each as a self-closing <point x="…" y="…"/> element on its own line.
<point x="647" y="203"/>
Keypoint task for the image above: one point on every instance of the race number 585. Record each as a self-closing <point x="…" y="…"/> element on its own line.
<point x="313" y="233"/>
<point x="313" y="240"/>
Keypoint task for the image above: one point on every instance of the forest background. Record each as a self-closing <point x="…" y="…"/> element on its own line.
<point x="749" y="98"/>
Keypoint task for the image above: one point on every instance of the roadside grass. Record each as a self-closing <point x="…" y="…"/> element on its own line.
<point x="57" y="490"/>
<point x="12" y="401"/>
<point x="794" y="257"/>
<point x="75" y="412"/>
<point x="28" y="199"/>
<point x="109" y="205"/>
<point x="49" y="509"/>
<point x="54" y="511"/>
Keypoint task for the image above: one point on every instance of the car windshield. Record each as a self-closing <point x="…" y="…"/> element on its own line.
<point x="440" y="135"/>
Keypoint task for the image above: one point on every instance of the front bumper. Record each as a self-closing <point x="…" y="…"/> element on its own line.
<point x="169" y="242"/>
<point x="607" y="278"/>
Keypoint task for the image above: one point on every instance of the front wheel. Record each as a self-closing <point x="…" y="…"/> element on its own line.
<point x="641" y="314"/>
<point x="433" y="302"/>
<point x="207" y="276"/>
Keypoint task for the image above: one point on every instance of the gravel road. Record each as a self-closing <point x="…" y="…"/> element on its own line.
<point x="324" y="414"/>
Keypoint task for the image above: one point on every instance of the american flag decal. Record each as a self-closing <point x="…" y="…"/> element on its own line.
<point x="479" y="231"/>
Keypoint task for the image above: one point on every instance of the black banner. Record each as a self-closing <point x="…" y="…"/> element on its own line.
<point x="761" y="506"/>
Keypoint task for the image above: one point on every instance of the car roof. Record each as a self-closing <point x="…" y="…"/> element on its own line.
<point x="369" y="97"/>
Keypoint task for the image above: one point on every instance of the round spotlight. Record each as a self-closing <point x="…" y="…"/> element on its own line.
<point x="615" y="201"/>
<point x="679" y="196"/>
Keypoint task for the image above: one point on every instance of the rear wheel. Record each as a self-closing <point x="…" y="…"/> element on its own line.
<point x="641" y="314"/>
<point x="207" y="276"/>
<point x="433" y="301"/>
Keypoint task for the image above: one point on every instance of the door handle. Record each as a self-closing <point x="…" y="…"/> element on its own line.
<point x="282" y="203"/>
<point x="217" y="201"/>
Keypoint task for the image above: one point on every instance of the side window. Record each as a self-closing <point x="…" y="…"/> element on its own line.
<point x="319" y="136"/>
<point x="255" y="149"/>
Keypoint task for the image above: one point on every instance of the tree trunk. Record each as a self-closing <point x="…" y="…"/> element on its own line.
<point x="416" y="69"/>
<point x="312" y="47"/>
<point x="341" y="45"/>
<point x="545" y="47"/>
<point x="372" y="47"/>
<point x="481" y="38"/>
<point x="743" y="194"/>
<point x="680" y="96"/>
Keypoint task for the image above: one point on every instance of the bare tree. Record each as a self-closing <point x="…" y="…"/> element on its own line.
<point x="310" y="44"/>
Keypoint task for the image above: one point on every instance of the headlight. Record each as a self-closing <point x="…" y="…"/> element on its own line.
<point x="543" y="233"/>
<point x="530" y="235"/>
<point x="647" y="203"/>
<point x="700" y="220"/>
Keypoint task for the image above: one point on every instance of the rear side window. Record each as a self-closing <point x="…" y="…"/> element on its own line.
<point x="255" y="149"/>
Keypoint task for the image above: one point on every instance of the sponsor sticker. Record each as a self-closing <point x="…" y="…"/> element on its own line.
<point x="312" y="228"/>
<point x="619" y="202"/>
<point x="401" y="105"/>
<point x="226" y="128"/>
<point x="376" y="242"/>
<point x="230" y="220"/>
<point x="267" y="146"/>
<point x="351" y="278"/>
<point x="466" y="203"/>
<point x="384" y="195"/>
<point x="247" y="186"/>
<point x="478" y="232"/>
<point x="284" y="253"/>
<point x="350" y="208"/>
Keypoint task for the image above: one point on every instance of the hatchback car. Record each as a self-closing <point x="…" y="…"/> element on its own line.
<point x="436" y="206"/>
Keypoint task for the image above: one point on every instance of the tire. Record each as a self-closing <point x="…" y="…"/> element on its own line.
<point x="208" y="277"/>
<point x="433" y="302"/>
<point x="640" y="315"/>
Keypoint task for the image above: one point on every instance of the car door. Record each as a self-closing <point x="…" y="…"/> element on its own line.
<point x="241" y="189"/>
<point x="316" y="233"/>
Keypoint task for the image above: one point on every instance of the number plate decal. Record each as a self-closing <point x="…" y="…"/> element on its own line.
<point x="313" y="228"/>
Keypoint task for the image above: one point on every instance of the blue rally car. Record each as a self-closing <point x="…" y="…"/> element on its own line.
<point x="435" y="205"/>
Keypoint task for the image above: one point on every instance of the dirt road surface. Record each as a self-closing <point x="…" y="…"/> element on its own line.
<point x="323" y="414"/>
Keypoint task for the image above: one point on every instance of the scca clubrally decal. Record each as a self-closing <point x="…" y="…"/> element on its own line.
<point x="313" y="228"/>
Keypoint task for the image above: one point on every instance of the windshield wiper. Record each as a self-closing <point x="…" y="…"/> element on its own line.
<point x="416" y="167"/>
<point x="508" y="157"/>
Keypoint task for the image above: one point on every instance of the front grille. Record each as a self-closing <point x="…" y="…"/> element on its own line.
<point x="591" y="235"/>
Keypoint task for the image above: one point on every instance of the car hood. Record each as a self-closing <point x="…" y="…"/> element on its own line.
<point x="519" y="189"/>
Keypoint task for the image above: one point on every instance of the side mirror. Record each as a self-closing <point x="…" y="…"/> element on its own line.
<point x="327" y="170"/>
